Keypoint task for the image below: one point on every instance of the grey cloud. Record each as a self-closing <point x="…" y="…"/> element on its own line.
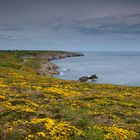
<point x="122" y="24"/>
<point x="60" y="23"/>
<point x="29" y="10"/>
<point x="10" y="28"/>
<point x="4" y="36"/>
<point x="110" y="24"/>
<point x="67" y="22"/>
<point x="112" y="28"/>
<point x="8" y="37"/>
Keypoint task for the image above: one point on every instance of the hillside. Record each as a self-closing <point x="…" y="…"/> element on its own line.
<point x="36" y="106"/>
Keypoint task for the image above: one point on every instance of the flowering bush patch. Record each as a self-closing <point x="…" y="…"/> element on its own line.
<point x="36" y="107"/>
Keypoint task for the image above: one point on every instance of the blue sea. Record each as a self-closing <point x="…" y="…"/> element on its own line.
<point x="122" y="68"/>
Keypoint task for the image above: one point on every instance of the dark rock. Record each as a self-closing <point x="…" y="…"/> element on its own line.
<point x="84" y="79"/>
<point x="93" y="77"/>
<point x="88" y="78"/>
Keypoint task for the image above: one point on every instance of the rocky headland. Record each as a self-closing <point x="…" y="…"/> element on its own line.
<point x="47" y="67"/>
<point x="50" y="68"/>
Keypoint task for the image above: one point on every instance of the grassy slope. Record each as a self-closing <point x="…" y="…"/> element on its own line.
<point x="40" y="108"/>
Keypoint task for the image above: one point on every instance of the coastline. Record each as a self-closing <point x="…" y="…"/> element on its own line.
<point x="110" y="67"/>
<point x="47" y="67"/>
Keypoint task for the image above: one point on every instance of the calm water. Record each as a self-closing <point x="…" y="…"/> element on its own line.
<point x="111" y="67"/>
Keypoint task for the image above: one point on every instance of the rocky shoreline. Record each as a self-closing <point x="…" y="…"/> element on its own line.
<point x="50" y="68"/>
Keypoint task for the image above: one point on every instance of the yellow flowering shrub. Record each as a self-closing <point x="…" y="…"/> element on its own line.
<point x="2" y="97"/>
<point x="119" y="133"/>
<point x="62" y="91"/>
<point x="114" y="133"/>
<point x="58" y="130"/>
<point x="53" y="130"/>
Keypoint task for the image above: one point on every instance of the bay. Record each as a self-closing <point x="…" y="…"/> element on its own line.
<point x="121" y="68"/>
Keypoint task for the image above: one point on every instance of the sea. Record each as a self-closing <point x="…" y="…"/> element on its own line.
<point x="121" y="68"/>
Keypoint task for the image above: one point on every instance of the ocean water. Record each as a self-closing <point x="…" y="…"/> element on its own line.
<point x="122" y="68"/>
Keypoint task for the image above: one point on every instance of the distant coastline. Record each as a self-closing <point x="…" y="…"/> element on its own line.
<point x="49" y="67"/>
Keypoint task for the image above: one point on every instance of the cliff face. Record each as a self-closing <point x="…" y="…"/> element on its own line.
<point x="48" y="68"/>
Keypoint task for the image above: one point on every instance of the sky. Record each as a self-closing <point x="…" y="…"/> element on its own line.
<point x="80" y="25"/>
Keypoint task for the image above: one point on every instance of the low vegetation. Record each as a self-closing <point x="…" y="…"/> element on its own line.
<point x="36" y="107"/>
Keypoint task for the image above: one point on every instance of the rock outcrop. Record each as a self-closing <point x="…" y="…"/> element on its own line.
<point x="88" y="78"/>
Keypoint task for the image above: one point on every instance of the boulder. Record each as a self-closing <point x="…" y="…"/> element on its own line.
<point x="88" y="78"/>
<point x="93" y="77"/>
<point x="84" y="79"/>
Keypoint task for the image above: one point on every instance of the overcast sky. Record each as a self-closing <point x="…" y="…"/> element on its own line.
<point x="70" y="24"/>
